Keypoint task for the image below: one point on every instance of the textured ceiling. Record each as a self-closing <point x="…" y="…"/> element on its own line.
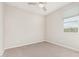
<point x="51" y="6"/>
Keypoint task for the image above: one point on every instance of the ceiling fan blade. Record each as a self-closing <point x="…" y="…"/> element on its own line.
<point x="42" y="5"/>
<point x="44" y="8"/>
<point x="31" y="3"/>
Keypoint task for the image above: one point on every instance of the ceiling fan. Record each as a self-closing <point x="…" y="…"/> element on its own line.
<point x="42" y="5"/>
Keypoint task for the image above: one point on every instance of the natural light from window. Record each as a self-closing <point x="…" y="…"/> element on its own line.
<point x="71" y="24"/>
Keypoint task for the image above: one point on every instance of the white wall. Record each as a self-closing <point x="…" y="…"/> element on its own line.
<point x="1" y="28"/>
<point x="71" y="10"/>
<point x="55" y="31"/>
<point x="22" y="27"/>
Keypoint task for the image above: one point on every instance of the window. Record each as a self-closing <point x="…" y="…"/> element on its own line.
<point x="71" y="24"/>
<point x="71" y="18"/>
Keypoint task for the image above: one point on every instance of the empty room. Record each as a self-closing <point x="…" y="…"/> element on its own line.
<point x="39" y="29"/>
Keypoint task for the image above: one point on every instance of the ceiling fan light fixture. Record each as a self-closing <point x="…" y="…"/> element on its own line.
<point x="39" y="4"/>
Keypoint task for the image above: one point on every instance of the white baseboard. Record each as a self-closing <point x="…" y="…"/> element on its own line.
<point x="1" y="53"/>
<point x="56" y="43"/>
<point x="60" y="44"/>
<point x="24" y="44"/>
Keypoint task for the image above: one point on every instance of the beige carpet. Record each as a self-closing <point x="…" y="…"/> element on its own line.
<point x="43" y="49"/>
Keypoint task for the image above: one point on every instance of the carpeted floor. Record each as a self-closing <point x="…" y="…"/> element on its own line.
<point x="43" y="49"/>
